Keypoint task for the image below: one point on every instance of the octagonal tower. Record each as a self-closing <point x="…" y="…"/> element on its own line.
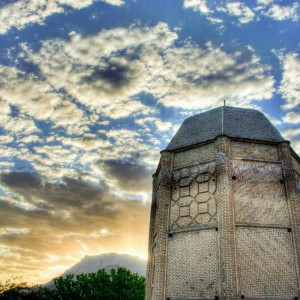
<point x="225" y="211"/>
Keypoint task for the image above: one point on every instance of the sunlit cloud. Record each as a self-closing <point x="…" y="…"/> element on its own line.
<point x="242" y="13"/>
<point x="25" y="12"/>
<point x="289" y="87"/>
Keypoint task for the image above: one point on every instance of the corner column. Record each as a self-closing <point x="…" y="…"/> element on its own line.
<point x="292" y="199"/>
<point x="226" y="227"/>
<point x="161" y="224"/>
<point x="151" y="239"/>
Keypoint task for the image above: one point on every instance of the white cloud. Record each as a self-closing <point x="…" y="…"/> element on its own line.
<point x="264" y="2"/>
<point x="197" y="5"/>
<point x="33" y="96"/>
<point x="94" y="71"/>
<point x="24" y="12"/>
<point x="290" y="83"/>
<point x="292" y="135"/>
<point x="91" y="70"/>
<point x="160" y="125"/>
<point x="292" y="117"/>
<point x="280" y="13"/>
<point x="36" y="99"/>
<point x="194" y="77"/>
<point x="241" y="11"/>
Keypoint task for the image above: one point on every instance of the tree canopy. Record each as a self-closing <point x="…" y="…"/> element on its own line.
<point x="118" y="284"/>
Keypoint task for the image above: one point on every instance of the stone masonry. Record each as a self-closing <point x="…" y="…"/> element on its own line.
<point x="225" y="220"/>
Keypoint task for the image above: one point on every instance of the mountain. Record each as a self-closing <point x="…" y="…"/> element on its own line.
<point x="107" y="261"/>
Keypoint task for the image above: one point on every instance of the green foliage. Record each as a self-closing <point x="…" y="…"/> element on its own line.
<point x="119" y="284"/>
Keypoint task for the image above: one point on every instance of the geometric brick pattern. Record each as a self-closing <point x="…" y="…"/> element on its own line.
<point x="193" y="265"/>
<point x="259" y="193"/>
<point x="193" y="202"/>
<point x="266" y="264"/>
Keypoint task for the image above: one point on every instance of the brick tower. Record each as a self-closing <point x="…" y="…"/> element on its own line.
<point x="225" y="211"/>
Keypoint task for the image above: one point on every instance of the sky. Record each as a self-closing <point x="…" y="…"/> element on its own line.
<point x="92" y="90"/>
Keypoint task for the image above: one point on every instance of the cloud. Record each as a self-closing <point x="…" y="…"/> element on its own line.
<point x="159" y="124"/>
<point x="293" y="135"/>
<point x="292" y="117"/>
<point x="25" y="12"/>
<point x="36" y="98"/>
<point x="290" y="83"/>
<point x="107" y="72"/>
<point x="104" y="71"/>
<point x="72" y="216"/>
<point x="280" y="13"/>
<point x="196" y="77"/>
<point x="241" y="11"/>
<point x="264" y="2"/>
<point x="127" y="176"/>
<point x="197" y="5"/>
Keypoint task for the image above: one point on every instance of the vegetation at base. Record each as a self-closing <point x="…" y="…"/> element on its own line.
<point x="119" y="284"/>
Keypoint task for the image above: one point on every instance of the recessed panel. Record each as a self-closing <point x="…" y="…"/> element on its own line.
<point x="192" y="265"/>
<point x="259" y="193"/>
<point x="195" y="155"/>
<point x="266" y="263"/>
<point x="254" y="151"/>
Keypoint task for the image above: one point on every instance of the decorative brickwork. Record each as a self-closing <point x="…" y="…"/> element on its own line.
<point x="197" y="274"/>
<point x="266" y="263"/>
<point x="193" y="201"/>
<point x="259" y="193"/>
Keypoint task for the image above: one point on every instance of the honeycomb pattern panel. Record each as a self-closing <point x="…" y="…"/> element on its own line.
<point x="193" y="265"/>
<point x="266" y="263"/>
<point x="193" y="197"/>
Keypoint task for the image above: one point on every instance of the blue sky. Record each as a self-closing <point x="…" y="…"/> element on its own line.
<point x="91" y="91"/>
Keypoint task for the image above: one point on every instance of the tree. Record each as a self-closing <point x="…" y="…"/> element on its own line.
<point x="119" y="284"/>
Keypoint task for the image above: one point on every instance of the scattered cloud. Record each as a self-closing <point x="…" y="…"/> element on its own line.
<point x="36" y="98"/>
<point x="292" y="117"/>
<point x="21" y="13"/>
<point x="204" y="77"/>
<point x="290" y="83"/>
<point x="280" y="13"/>
<point x="197" y="5"/>
<point x="243" y="13"/>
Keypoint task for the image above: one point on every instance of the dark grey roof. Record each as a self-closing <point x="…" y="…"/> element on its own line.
<point x="225" y="120"/>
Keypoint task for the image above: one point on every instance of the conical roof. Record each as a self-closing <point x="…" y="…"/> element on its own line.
<point x="225" y="120"/>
